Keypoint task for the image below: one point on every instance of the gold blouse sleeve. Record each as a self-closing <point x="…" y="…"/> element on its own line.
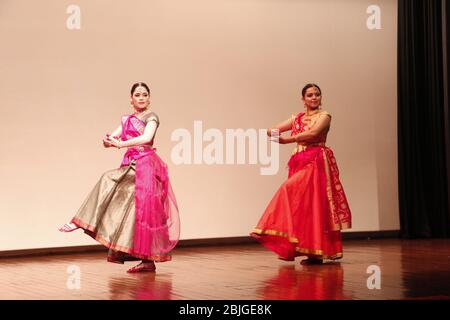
<point x="152" y="117"/>
<point x="326" y="113"/>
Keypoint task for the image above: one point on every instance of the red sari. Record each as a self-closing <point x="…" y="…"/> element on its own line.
<point x="306" y="215"/>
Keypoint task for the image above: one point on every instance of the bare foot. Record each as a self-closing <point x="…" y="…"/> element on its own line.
<point x="143" y="267"/>
<point x="68" y="227"/>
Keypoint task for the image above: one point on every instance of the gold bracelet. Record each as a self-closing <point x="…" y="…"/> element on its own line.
<point x="118" y="144"/>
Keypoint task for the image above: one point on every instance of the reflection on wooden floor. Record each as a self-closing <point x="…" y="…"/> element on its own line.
<point x="410" y="269"/>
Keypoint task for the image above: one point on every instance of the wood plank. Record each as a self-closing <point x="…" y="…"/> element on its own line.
<point x="410" y="269"/>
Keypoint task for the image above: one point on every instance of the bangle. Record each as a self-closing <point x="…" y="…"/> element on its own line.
<point x="118" y="144"/>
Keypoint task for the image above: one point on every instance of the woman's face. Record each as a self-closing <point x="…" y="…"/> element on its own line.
<point x="140" y="98"/>
<point x="312" y="98"/>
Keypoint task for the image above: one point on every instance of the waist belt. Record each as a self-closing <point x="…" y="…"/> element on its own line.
<point x="302" y="147"/>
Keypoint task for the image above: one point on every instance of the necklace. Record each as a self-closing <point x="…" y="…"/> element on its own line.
<point x="311" y="114"/>
<point x="309" y="117"/>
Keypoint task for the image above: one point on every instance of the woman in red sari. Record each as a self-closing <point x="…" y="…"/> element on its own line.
<point x="132" y="210"/>
<point x="306" y="215"/>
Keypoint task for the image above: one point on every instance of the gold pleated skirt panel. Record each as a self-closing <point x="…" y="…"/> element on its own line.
<point x="108" y="213"/>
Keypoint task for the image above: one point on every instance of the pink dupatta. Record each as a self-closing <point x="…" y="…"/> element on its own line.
<point x="157" y="228"/>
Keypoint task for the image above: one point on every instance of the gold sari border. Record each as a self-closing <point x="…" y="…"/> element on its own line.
<point x="342" y="226"/>
<point x="91" y="232"/>
<point x="329" y="191"/>
<point x="301" y="147"/>
<point x="319" y="253"/>
<point x="303" y="251"/>
<point x="275" y="233"/>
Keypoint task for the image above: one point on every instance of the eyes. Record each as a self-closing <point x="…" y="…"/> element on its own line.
<point x="137" y="95"/>
<point x="310" y="95"/>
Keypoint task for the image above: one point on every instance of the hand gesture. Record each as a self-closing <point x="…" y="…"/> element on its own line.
<point x="274" y="134"/>
<point x="109" y="141"/>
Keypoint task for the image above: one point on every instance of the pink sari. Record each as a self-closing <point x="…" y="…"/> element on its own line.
<point x="157" y="228"/>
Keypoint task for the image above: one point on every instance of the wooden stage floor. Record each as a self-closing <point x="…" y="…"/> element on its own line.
<point x="410" y="269"/>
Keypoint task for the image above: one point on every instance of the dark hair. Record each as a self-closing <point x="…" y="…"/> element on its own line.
<point x="310" y="85"/>
<point x="139" y="84"/>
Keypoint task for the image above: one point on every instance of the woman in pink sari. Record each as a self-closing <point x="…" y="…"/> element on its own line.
<point x="132" y="210"/>
<point x="306" y="215"/>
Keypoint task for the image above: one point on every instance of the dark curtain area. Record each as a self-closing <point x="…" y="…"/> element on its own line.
<point x="423" y="119"/>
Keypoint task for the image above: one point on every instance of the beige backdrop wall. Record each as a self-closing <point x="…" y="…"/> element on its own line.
<point x="228" y="63"/>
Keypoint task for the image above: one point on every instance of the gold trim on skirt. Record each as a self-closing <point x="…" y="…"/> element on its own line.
<point x="108" y="215"/>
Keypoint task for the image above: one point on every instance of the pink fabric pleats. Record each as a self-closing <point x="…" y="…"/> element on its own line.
<point x="157" y="227"/>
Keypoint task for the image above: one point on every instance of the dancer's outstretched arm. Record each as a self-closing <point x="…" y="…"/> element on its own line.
<point x="322" y="124"/>
<point x="145" y="138"/>
<point x="117" y="132"/>
<point x="281" y="127"/>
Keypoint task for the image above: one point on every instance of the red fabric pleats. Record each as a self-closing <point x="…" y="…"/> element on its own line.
<point x="308" y="211"/>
